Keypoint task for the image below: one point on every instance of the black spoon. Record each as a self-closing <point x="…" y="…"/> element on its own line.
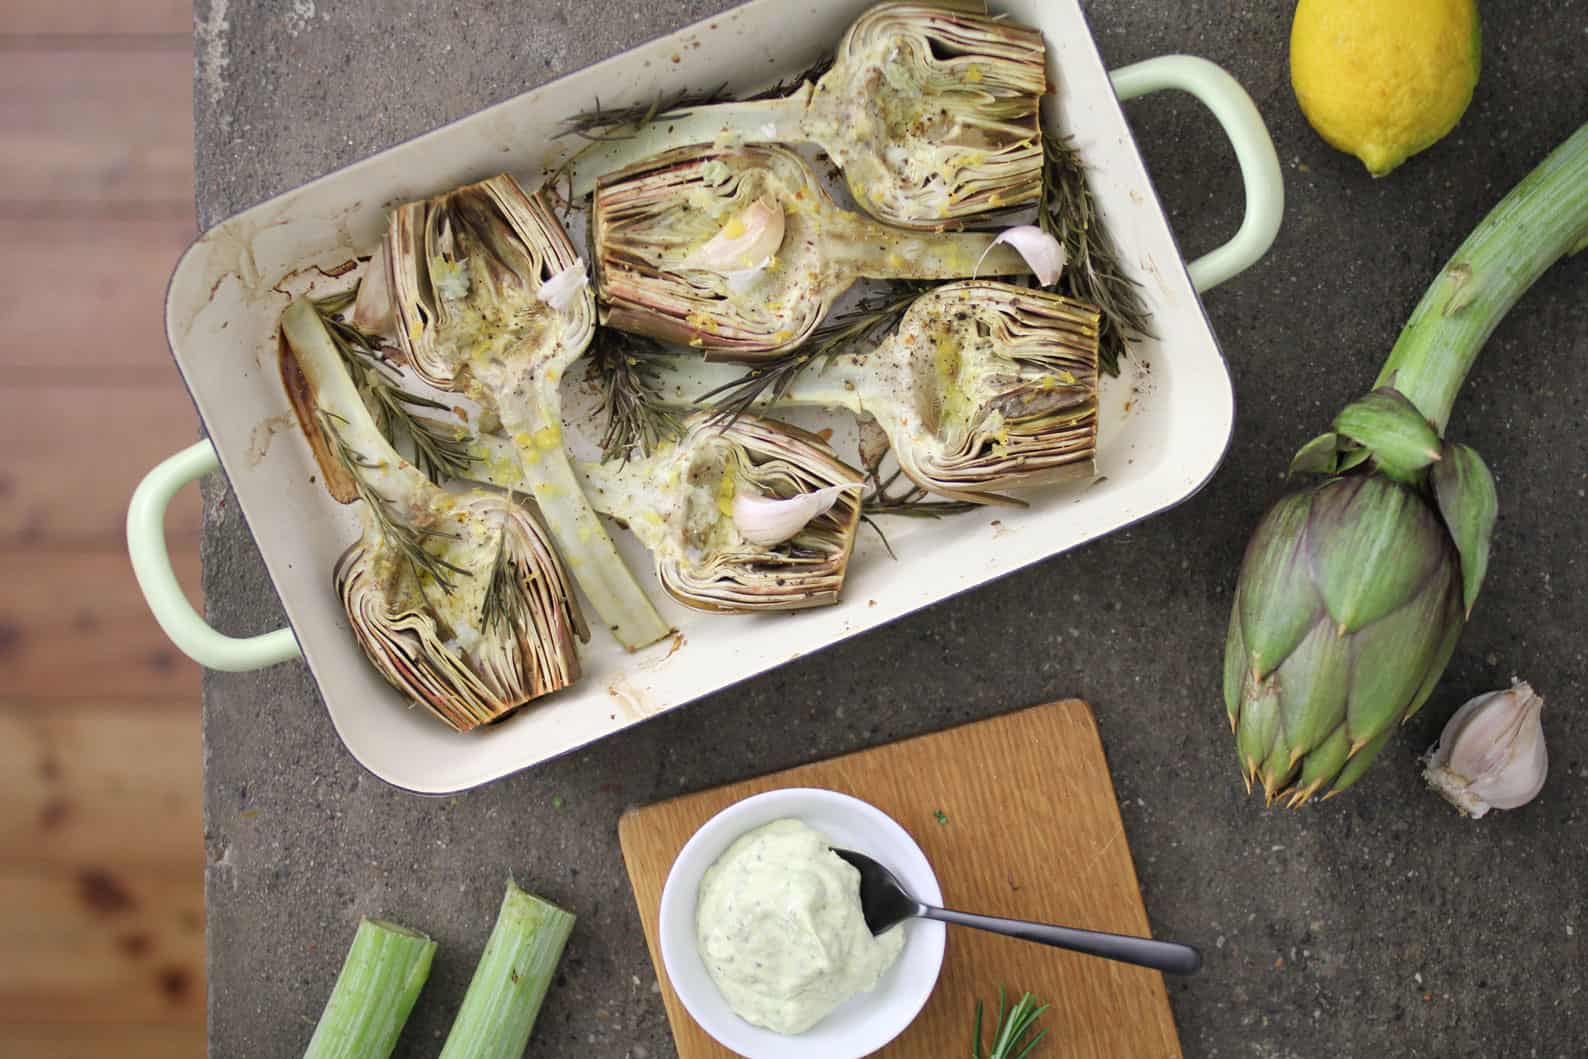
<point x="885" y="903"/>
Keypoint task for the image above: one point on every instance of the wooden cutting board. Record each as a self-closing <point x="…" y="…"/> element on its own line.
<point x="1029" y="828"/>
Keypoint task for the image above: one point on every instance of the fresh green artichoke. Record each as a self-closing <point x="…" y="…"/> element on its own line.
<point x="1352" y="596"/>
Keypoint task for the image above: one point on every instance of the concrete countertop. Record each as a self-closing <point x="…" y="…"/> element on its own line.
<point x="1377" y="924"/>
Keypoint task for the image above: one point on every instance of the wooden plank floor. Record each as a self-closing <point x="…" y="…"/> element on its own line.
<point x="101" y="822"/>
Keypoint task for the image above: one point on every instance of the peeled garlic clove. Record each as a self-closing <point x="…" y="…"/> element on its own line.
<point x="1042" y="252"/>
<point x="1491" y="754"/>
<point x="766" y="520"/>
<point x="746" y="243"/>
<point x="561" y="292"/>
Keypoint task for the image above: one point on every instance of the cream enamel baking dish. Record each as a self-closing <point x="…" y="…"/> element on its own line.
<point x="221" y="317"/>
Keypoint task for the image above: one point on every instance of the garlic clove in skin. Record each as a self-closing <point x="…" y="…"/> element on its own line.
<point x="1042" y="252"/>
<point x="1491" y="754"/>
<point x="747" y="243"/>
<point x="767" y="521"/>
<point x="373" y="312"/>
<point x="561" y="292"/>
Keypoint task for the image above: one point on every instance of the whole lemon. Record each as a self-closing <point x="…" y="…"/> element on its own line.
<point x="1384" y="79"/>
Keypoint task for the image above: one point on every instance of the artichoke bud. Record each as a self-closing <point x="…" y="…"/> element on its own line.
<point x="1347" y="610"/>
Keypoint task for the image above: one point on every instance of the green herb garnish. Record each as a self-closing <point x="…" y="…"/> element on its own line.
<point x="1092" y="271"/>
<point x="1009" y="1033"/>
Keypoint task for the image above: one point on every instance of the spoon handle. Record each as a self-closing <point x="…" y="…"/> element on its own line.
<point x="1167" y="956"/>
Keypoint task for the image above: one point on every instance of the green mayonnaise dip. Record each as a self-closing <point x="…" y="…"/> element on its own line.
<point x="781" y="931"/>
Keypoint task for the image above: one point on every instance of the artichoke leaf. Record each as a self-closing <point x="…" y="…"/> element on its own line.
<point x="1393" y="656"/>
<point x="1464" y="490"/>
<point x="1276" y="601"/>
<point x="1372" y="543"/>
<point x="1314" y="683"/>
<point x="1403" y="442"/>
<point x="1321" y="455"/>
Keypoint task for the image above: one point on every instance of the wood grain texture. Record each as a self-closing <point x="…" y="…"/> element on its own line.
<point x="101" y="943"/>
<point x="114" y="129"/>
<point x="59" y="493"/>
<point x="118" y="18"/>
<point x="117" y="783"/>
<point x="74" y="627"/>
<point x="1032" y="831"/>
<point x="77" y="1041"/>
<point x="89" y="307"/>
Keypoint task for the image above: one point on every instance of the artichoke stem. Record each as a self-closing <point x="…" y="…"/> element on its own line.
<point x="1544" y="218"/>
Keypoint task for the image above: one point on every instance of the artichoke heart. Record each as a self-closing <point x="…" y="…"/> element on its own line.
<point x="457" y="598"/>
<point x="983" y="386"/>
<point x="930" y="109"/>
<point x="469" y="270"/>
<point x="680" y="502"/>
<point x="932" y="113"/>
<point x="660" y="225"/>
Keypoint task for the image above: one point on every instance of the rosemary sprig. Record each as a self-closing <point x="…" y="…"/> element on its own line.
<point x="506" y="603"/>
<point x="1092" y="271"/>
<point x="1010" y="1030"/>
<point x="871" y="317"/>
<point x="912" y="503"/>
<point x="408" y="540"/>
<point x="600" y="124"/>
<point x="623" y="365"/>
<point x="439" y="450"/>
<point x="786" y="87"/>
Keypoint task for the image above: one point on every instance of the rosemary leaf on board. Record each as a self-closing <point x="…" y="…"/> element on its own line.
<point x="1092" y="271"/>
<point x="1010" y="1029"/>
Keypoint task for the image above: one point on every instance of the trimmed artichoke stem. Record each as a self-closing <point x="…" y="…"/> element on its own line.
<point x="510" y="982"/>
<point x="877" y="251"/>
<point x="335" y="393"/>
<point x="843" y="383"/>
<point x="581" y="539"/>
<point x="385" y="969"/>
<point x="1542" y="220"/>
<point x="760" y="121"/>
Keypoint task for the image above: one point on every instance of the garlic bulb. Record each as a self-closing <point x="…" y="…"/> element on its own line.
<point x="767" y="520"/>
<point x="1491" y="754"/>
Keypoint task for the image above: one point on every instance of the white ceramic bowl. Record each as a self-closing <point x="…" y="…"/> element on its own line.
<point x="862" y="1024"/>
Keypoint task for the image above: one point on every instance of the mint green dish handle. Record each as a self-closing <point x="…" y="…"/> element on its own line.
<point x="151" y="562"/>
<point x="1254" y="151"/>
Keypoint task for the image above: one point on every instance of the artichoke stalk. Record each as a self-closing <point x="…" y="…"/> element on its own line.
<point x="1353" y="592"/>
<point x="653" y="221"/>
<point x="982" y="386"/>
<point x="930" y="109"/>
<point x="466" y="270"/>
<point x="457" y="598"/>
<point x="679" y="501"/>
